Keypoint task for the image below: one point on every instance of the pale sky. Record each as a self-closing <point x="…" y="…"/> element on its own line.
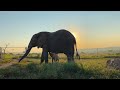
<point x="91" y="28"/>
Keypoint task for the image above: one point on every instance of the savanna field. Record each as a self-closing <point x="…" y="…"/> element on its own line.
<point x="27" y="37"/>
<point x="91" y="67"/>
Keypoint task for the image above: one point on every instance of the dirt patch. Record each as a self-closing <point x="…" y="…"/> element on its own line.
<point x="8" y="64"/>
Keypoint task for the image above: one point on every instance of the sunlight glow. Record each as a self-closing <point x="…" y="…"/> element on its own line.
<point x="91" y="29"/>
<point x="74" y="34"/>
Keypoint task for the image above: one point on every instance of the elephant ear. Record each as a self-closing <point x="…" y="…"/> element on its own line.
<point x="42" y="40"/>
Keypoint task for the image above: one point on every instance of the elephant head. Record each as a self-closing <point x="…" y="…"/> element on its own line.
<point x="38" y="40"/>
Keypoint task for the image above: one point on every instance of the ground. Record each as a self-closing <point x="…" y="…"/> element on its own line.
<point x="81" y="69"/>
<point x="7" y="64"/>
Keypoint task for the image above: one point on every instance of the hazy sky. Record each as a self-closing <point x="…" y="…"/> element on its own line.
<point x="91" y="28"/>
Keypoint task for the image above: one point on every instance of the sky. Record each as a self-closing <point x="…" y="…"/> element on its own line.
<point x="92" y="29"/>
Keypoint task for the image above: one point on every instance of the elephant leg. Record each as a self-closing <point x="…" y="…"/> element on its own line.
<point x="42" y="58"/>
<point x="70" y="57"/>
<point x="52" y="60"/>
<point x="45" y="55"/>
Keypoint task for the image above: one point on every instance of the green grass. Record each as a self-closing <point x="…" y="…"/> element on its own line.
<point x="7" y="58"/>
<point x="10" y="56"/>
<point x="5" y="61"/>
<point x="82" y="69"/>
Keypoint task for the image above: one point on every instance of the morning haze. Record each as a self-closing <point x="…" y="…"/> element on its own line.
<point x="92" y="29"/>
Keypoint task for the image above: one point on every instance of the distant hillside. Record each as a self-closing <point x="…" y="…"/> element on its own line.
<point x="101" y="50"/>
<point x="16" y="50"/>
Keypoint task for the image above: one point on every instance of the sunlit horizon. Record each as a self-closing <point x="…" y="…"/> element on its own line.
<point x="92" y="29"/>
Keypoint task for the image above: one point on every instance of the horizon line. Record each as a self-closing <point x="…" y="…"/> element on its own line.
<point x="78" y="48"/>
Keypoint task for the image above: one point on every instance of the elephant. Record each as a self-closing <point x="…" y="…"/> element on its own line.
<point x="54" y="56"/>
<point x="60" y="41"/>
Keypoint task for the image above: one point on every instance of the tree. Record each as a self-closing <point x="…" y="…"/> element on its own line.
<point x="0" y="53"/>
<point x="4" y="49"/>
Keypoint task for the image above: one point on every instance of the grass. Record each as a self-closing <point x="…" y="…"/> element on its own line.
<point x="82" y="69"/>
<point x="89" y="67"/>
<point x="7" y="58"/>
<point x="5" y="61"/>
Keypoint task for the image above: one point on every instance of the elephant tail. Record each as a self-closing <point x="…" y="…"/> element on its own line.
<point x="77" y="55"/>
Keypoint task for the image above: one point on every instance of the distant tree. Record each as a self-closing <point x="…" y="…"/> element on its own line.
<point x="4" y="49"/>
<point x="0" y="53"/>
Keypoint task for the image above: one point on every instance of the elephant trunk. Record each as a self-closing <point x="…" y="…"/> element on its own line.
<point x="26" y="53"/>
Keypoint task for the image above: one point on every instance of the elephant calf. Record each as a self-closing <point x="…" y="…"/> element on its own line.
<point x="54" y="56"/>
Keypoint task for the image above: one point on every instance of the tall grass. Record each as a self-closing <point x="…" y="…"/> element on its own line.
<point x="83" y="69"/>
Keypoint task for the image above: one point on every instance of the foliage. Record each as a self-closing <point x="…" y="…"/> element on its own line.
<point x="81" y="69"/>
